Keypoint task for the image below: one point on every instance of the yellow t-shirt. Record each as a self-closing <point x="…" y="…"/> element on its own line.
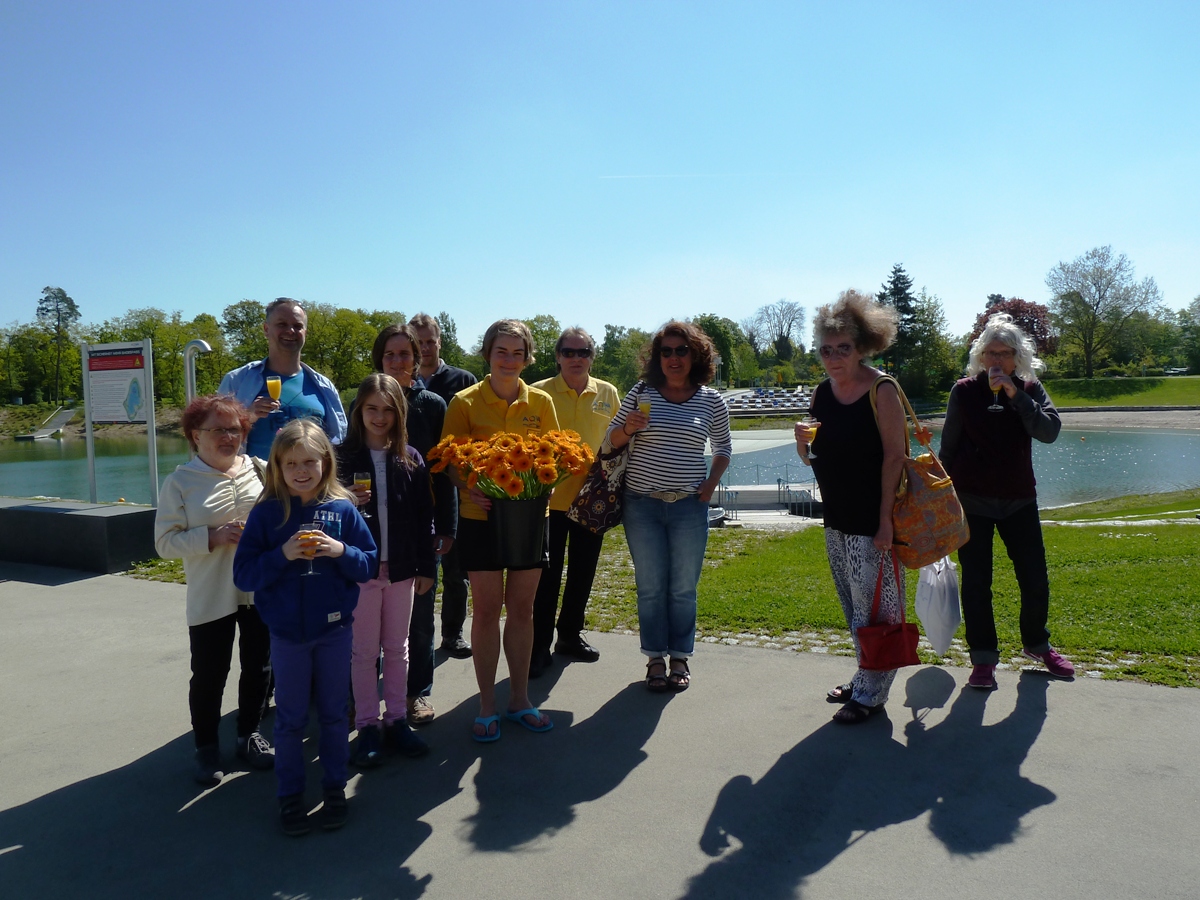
<point x="588" y="413"/>
<point x="479" y="413"/>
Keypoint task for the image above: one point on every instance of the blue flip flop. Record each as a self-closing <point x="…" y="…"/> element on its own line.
<point x="519" y="718"/>
<point x="486" y="738"/>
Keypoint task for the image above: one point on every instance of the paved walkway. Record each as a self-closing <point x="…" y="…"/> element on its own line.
<point x="740" y="787"/>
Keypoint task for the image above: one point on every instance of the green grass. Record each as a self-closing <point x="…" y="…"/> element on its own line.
<point x="1123" y="598"/>
<point x="1174" y="391"/>
<point x="16" y="420"/>
<point x="1175" y="503"/>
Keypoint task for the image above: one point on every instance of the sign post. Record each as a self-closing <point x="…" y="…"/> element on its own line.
<point x="118" y="389"/>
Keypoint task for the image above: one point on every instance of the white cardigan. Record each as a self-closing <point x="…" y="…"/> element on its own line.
<point x="192" y="498"/>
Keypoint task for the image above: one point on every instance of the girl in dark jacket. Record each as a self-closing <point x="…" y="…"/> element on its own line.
<point x="398" y="508"/>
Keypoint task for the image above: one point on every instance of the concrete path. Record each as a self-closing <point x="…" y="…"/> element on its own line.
<point x="740" y="787"/>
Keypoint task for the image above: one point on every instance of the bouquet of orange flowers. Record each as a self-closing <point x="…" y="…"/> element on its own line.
<point x="508" y="465"/>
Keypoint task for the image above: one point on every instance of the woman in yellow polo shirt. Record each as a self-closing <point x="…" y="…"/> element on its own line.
<point x="501" y="402"/>
<point x="586" y="405"/>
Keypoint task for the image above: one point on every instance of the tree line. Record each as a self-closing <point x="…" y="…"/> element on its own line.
<point x="1101" y="320"/>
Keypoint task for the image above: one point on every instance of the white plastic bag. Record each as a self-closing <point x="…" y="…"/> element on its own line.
<point x="937" y="603"/>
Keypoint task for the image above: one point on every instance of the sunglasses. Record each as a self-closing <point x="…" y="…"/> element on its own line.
<point x="572" y="352"/>
<point x="223" y="432"/>
<point x="668" y="352"/>
<point x="841" y="351"/>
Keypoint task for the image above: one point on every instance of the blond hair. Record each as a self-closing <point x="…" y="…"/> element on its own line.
<point x="308" y="434"/>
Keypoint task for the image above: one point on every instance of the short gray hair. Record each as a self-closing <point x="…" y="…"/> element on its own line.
<point x="1001" y="327"/>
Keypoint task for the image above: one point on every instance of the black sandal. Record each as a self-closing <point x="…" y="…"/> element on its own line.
<point x="854" y="713"/>
<point x="843" y="693"/>
<point x="656" y="681"/>
<point x="679" y="679"/>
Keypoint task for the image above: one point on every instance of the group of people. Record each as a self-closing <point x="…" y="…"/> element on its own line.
<point x="856" y="441"/>
<point x="315" y="539"/>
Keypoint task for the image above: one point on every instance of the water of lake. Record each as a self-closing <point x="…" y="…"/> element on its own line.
<point x="1079" y="466"/>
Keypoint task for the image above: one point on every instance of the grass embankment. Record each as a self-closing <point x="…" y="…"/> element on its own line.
<point x="15" y="420"/>
<point x="1178" y="390"/>
<point x="1123" y="599"/>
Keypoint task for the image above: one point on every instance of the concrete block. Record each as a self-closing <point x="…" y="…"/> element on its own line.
<point x="91" y="537"/>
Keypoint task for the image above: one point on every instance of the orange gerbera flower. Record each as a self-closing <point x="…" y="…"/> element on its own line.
<point x="544" y="447"/>
<point x="513" y="485"/>
<point x="519" y="459"/>
<point x="504" y="441"/>
<point x="547" y="474"/>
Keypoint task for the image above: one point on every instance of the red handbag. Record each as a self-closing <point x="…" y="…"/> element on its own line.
<point x="886" y="647"/>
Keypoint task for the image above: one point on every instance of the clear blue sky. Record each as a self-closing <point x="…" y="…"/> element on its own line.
<point x="615" y="162"/>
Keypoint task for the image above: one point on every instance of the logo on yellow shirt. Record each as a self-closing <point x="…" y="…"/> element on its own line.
<point x="603" y="407"/>
<point x="532" y="422"/>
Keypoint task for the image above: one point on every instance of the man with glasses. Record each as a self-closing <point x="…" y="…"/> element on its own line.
<point x="445" y="381"/>
<point x="302" y="393"/>
<point x="586" y="405"/>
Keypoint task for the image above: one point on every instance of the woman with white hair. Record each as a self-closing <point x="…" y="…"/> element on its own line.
<point x="987" y="447"/>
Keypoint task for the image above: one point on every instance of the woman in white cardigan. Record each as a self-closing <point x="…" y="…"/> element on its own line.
<point x="202" y="508"/>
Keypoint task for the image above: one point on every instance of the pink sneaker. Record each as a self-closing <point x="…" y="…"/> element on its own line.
<point x="1056" y="664"/>
<point x="983" y="678"/>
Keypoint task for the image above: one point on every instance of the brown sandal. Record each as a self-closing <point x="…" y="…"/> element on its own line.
<point x="854" y="713"/>
<point x="656" y="681"/>
<point x="679" y="679"/>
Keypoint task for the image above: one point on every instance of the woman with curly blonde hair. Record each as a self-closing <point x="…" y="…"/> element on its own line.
<point x="501" y="402"/>
<point x="857" y="457"/>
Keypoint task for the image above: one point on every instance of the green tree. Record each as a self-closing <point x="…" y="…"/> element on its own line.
<point x="932" y="357"/>
<point x="242" y="323"/>
<point x="1032" y="318"/>
<point x="620" y="358"/>
<point x="746" y="363"/>
<point x="210" y="367"/>
<point x="339" y="343"/>
<point x="1189" y="336"/>
<point x="452" y="351"/>
<point x="58" y="314"/>
<point x="1095" y="296"/>
<point x="726" y="336"/>
<point x="545" y="330"/>
<point x="897" y="293"/>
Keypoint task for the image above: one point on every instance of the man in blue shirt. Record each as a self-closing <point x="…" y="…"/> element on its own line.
<point x="303" y="393"/>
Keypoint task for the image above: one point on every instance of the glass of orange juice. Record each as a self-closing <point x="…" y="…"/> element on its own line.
<point x="644" y="407"/>
<point x="812" y="425"/>
<point x="363" y="480"/>
<point x="273" y="386"/>
<point x="310" y="532"/>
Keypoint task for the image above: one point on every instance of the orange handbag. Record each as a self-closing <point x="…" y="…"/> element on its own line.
<point x="928" y="521"/>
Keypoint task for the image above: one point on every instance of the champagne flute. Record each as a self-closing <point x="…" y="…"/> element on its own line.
<point x="644" y="408"/>
<point x="311" y="531"/>
<point x="363" y="480"/>
<point x="993" y="373"/>
<point x="274" y="386"/>
<point x="813" y="425"/>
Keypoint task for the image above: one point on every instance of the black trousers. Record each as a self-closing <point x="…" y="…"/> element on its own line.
<point x="584" y="554"/>
<point x="420" y="643"/>
<point x="1022" y="536"/>
<point x="212" y="652"/>
<point x="454" y="594"/>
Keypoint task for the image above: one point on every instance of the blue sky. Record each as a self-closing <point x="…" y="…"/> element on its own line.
<point x="618" y="162"/>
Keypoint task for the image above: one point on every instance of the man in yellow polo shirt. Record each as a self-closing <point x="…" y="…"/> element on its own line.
<point x="586" y="405"/>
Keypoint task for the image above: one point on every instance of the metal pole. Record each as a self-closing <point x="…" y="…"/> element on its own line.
<point x="189" y="365"/>
<point x="148" y="356"/>
<point x="87" y="418"/>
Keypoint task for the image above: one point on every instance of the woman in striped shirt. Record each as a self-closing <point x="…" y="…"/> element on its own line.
<point x="672" y="415"/>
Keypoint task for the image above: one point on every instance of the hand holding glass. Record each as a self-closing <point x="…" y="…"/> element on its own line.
<point x="309" y="533"/>
<point x="363" y="480"/>
<point x="993" y="373"/>
<point x="812" y="425"/>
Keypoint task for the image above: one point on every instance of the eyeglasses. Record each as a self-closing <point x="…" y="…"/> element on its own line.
<point x="668" y="352"/>
<point x="841" y="351"/>
<point x="572" y="352"/>
<point x="223" y="432"/>
<point x="1000" y="354"/>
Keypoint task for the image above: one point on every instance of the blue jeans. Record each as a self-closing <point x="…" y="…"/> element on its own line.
<point x="316" y="673"/>
<point x="667" y="542"/>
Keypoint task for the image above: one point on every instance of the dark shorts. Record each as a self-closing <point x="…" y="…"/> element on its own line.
<point x="476" y="550"/>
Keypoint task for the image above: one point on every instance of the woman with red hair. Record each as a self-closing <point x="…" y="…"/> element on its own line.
<point x="202" y="508"/>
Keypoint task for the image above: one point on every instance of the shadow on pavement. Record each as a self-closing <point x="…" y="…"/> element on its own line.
<point x="145" y="830"/>
<point x="841" y="783"/>
<point x="50" y="576"/>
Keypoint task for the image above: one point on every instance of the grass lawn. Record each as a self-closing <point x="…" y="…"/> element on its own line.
<point x="1123" y="598"/>
<point x="1178" y="390"/>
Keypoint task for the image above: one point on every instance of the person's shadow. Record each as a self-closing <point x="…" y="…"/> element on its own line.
<point x="533" y="784"/>
<point x="841" y="783"/>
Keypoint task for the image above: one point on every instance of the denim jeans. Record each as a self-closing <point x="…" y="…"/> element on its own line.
<point x="667" y="542"/>
<point x="1022" y="536"/>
